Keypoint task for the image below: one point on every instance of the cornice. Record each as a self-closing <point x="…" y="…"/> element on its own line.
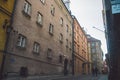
<point x="5" y="11"/>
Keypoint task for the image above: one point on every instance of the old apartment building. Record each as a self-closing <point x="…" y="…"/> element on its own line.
<point x="80" y="49"/>
<point x="96" y="52"/>
<point x="41" y="38"/>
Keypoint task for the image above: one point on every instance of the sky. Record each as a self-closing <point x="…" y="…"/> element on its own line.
<point x="89" y="14"/>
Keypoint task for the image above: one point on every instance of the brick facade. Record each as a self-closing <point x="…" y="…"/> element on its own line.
<point x="41" y="63"/>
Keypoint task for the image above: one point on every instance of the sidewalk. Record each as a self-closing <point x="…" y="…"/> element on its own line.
<point x="57" y="77"/>
<point x="90" y="77"/>
<point x="83" y="77"/>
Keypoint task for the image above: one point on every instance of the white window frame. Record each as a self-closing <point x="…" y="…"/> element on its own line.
<point x="43" y="1"/>
<point x="52" y="10"/>
<point x="39" y="18"/>
<point x="61" y="21"/>
<point x="21" y="41"/>
<point x="27" y="8"/>
<point x="36" y="47"/>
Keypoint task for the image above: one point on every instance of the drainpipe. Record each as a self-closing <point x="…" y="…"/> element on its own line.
<point x="73" y="45"/>
<point x="9" y="28"/>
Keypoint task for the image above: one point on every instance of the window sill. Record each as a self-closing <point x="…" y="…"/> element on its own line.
<point x="39" y="24"/>
<point x="42" y="2"/>
<point x="61" y="25"/>
<point x="37" y="53"/>
<point x="61" y="41"/>
<point x="49" y="57"/>
<point x="66" y="46"/>
<point x="26" y="14"/>
<point x="21" y="48"/>
<point x="51" y="33"/>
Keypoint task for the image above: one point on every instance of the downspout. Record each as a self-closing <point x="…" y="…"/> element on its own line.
<point x="73" y="45"/>
<point x="9" y="29"/>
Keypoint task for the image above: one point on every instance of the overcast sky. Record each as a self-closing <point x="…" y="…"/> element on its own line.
<point x="89" y="14"/>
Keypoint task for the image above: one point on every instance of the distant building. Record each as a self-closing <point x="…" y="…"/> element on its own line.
<point x="41" y="38"/>
<point x="89" y="58"/>
<point x="96" y="52"/>
<point x="105" y="67"/>
<point x="80" y="49"/>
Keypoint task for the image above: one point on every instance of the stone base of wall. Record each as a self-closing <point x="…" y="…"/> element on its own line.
<point x="35" y="67"/>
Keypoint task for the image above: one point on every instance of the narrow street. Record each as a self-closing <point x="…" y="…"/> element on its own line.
<point x="69" y="77"/>
<point x="84" y="77"/>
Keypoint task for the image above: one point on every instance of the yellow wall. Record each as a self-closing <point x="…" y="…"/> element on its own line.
<point x="7" y="5"/>
<point x="6" y="8"/>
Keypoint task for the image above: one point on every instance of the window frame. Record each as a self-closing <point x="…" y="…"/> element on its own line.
<point x="21" y="41"/>
<point x="51" y="29"/>
<point x="61" y="21"/>
<point x="27" y="8"/>
<point x="36" y="47"/>
<point x="49" y="53"/>
<point x="61" y="38"/>
<point x="42" y="1"/>
<point x="52" y="10"/>
<point x="67" y="28"/>
<point x="39" y="20"/>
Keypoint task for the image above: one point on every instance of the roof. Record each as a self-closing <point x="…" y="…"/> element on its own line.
<point x="92" y="39"/>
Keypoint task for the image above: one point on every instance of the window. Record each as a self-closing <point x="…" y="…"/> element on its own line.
<point x="93" y="44"/>
<point x="93" y="50"/>
<point x="49" y="53"/>
<point x="70" y="32"/>
<point x="61" y="38"/>
<point x="21" y="41"/>
<point x="51" y="29"/>
<point x="27" y="8"/>
<point x="36" y="47"/>
<point x="52" y="10"/>
<point x="39" y="19"/>
<point x="43" y="1"/>
<point x="61" y="21"/>
<point x="67" y="28"/>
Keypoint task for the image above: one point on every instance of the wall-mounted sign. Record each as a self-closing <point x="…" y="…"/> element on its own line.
<point x="115" y="8"/>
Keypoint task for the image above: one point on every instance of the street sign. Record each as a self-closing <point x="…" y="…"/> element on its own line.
<point x="115" y="8"/>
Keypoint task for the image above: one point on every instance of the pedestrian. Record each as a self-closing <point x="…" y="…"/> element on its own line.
<point x="65" y="66"/>
<point x="93" y="71"/>
<point x="96" y="71"/>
